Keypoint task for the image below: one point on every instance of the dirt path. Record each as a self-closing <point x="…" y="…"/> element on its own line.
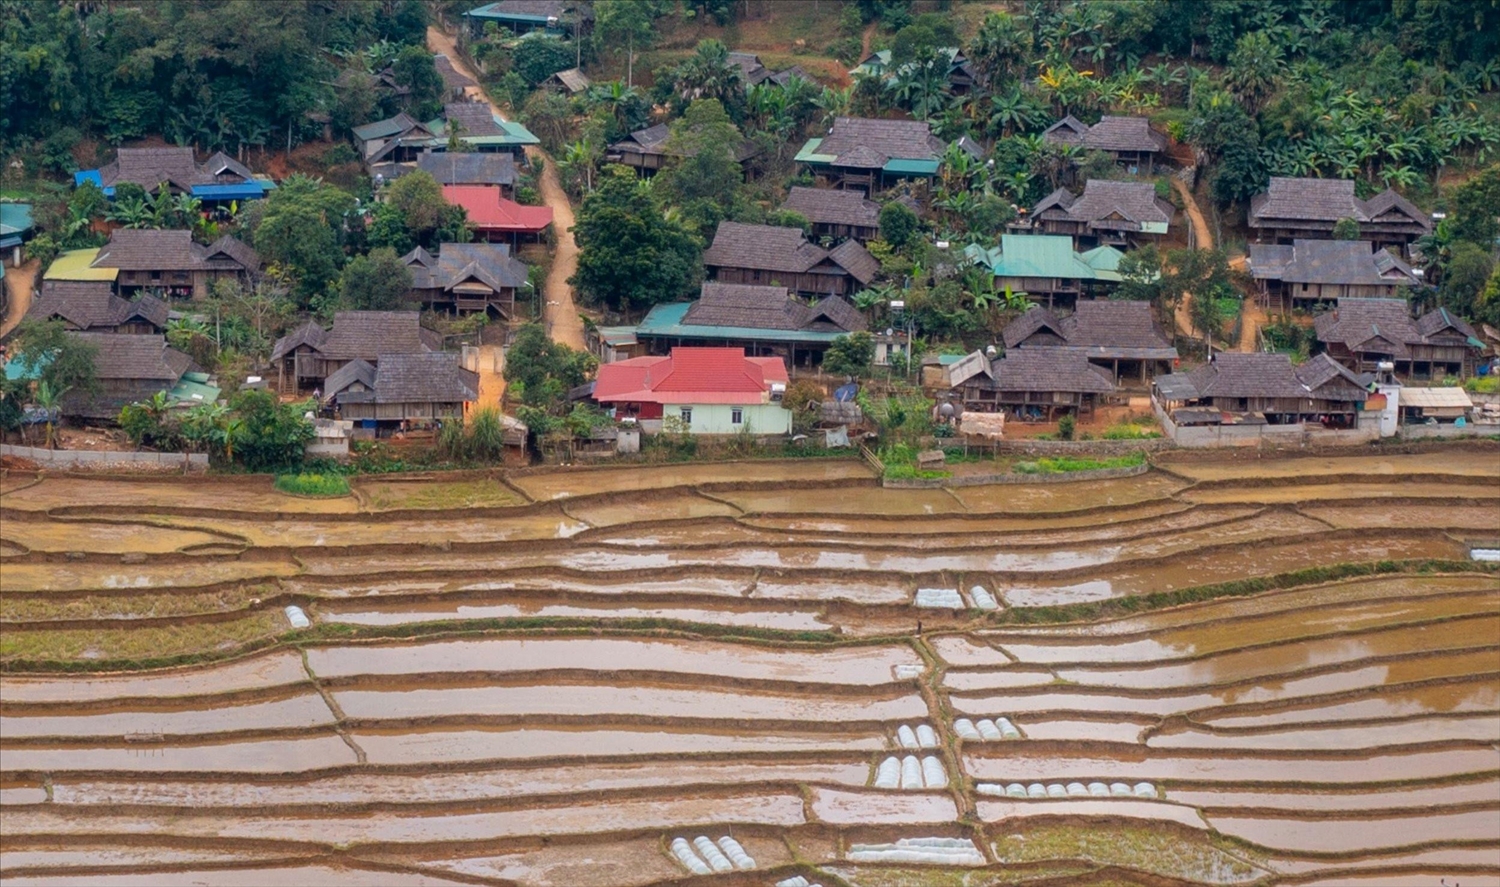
<point x="1254" y="315"/>
<point x="864" y="41"/>
<point x="18" y="284"/>
<point x="1203" y="238"/>
<point x="559" y="311"/>
<point x="491" y="369"/>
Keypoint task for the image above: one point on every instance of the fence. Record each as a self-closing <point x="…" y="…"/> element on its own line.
<point x="103" y="459"/>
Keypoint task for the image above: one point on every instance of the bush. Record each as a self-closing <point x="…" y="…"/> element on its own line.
<point x="1066" y="426"/>
<point x="320" y="485"/>
<point x="1483" y="384"/>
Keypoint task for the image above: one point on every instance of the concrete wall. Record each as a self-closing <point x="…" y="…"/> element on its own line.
<point x="98" y="459"/>
<point x="1426" y="432"/>
<point x="1082" y="447"/>
<point x="766" y="418"/>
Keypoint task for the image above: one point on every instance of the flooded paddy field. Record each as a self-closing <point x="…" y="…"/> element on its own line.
<point x="1228" y="671"/>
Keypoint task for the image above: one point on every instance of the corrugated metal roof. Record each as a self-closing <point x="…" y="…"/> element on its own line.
<point x="77" y="264"/>
<point x="1436" y="398"/>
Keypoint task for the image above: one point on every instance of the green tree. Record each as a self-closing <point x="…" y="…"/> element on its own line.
<point x="1003" y="47"/>
<point x="927" y="34"/>
<point x="1255" y="68"/>
<point x="64" y="361"/>
<point x="1464" y="280"/>
<point x="300" y="228"/>
<point x="539" y="372"/>
<point x="898" y="224"/>
<point x="269" y="436"/>
<point x="377" y="282"/>
<point x="850" y="355"/>
<point x="536" y="58"/>
<point x="631" y="255"/>
<point x="1475" y="208"/>
<point x="625" y="24"/>
<point x="1346" y="229"/>
<point x="704" y="178"/>
<point x="707" y="74"/>
<point x="415" y="70"/>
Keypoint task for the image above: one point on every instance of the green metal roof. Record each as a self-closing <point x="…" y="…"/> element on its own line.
<point x="666" y="321"/>
<point x="514" y="134"/>
<point x="1039" y="255"/>
<point x="901" y="167"/>
<point x="1105" y="260"/>
<point x="809" y="153"/>
<point x="191" y="390"/>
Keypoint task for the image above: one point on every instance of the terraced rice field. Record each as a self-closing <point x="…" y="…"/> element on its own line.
<point x="1223" y="672"/>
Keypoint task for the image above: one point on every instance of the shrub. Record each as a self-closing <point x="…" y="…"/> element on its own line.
<point x="1066" y="426"/>
<point x="319" y="485"/>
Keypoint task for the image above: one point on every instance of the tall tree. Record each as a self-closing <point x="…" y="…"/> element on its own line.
<point x="631" y="255"/>
<point x="377" y="282"/>
<point x="625" y="23"/>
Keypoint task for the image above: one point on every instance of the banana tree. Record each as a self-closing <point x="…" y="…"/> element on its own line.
<point x="130" y="211"/>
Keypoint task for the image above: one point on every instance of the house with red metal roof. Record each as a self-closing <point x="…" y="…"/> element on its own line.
<point x="708" y="390"/>
<point x="496" y="219"/>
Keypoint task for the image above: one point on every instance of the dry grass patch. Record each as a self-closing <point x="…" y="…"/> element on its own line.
<point x="138" y="647"/>
<point x="1169" y="852"/>
<point x="436" y="495"/>
<point x="143" y="606"/>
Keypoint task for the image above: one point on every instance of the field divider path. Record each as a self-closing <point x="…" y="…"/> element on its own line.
<point x="339" y="719"/>
<point x="503" y="479"/>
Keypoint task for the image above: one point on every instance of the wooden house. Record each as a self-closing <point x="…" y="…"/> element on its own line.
<point x="1361" y="334"/>
<point x="1048" y="269"/>
<point x="554" y="17"/>
<point x="170" y="264"/>
<point x="836" y="213"/>
<point x="91" y="306"/>
<point x="219" y="179"/>
<point x="763" y="255"/>
<point x="471" y="168"/>
<point x="570" y="82"/>
<point x="1308" y="272"/>
<point x="1121" y="337"/>
<point x="460" y="85"/>
<point x="128" y="369"/>
<point x="1265" y="387"/>
<point x="467" y="277"/>
<point x="761" y="320"/>
<point x="1129" y="140"/>
<point x="306" y="356"/>
<point x="646" y="150"/>
<point x="1291" y="209"/>
<point x="869" y="154"/>
<point x="1031" y="384"/>
<point x="1126" y="215"/>
<point x="414" y="388"/>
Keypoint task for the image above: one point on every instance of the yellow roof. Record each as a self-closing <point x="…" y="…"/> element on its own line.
<point x="76" y="265"/>
<point x="1436" y="398"/>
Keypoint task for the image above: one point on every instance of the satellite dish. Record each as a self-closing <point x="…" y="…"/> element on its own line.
<point x="990" y="352"/>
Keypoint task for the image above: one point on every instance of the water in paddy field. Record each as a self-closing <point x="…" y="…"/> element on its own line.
<point x="552" y="678"/>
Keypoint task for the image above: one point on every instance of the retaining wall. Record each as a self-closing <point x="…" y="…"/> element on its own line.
<point x="1427" y="432"/>
<point x="981" y="480"/>
<point x="101" y="459"/>
<point x="1081" y="447"/>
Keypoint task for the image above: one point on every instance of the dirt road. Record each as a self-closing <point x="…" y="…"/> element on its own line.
<point x="18" y="285"/>
<point x="1202" y="238"/>
<point x="559" y="311"/>
<point x="491" y="368"/>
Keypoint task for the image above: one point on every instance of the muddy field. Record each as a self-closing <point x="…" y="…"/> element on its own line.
<point x="1222" y="672"/>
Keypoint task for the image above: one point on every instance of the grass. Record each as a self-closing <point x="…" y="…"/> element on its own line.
<point x="319" y="486"/>
<point x="1162" y="851"/>
<point x="136" y="606"/>
<point x="126" y="649"/>
<point x="1062" y="464"/>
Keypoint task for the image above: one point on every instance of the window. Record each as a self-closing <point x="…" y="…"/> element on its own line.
<point x="687" y="415"/>
<point x="736" y="416"/>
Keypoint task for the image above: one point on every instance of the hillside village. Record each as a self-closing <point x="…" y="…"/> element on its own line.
<point x="1083" y="220"/>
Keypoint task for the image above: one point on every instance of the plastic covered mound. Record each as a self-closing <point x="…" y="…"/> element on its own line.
<point x="703" y="857"/>
<point x="1036" y="790"/>
<point x="1488" y="555"/>
<point x="927" y="851"/>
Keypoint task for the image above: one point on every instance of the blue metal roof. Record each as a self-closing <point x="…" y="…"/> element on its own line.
<point x="240" y="191"/>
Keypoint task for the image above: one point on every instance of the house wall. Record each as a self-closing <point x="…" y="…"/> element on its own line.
<point x="766" y="418"/>
<point x="804" y="284"/>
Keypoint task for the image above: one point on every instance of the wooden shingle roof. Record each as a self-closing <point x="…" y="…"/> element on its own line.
<point x="124" y="357"/>
<point x="1252" y="374"/>
<point x="132" y="249"/>
<point x="1124" y="134"/>
<point x="1349" y="262"/>
<point x="829" y="206"/>
<point x="90" y="304"/>
<point x="1134" y="202"/>
<point x="762" y="247"/>
<point x="370" y="334"/>
<point x="1104" y="328"/>
<point x="469" y="167"/>
<point x="1048" y="369"/>
<point x="407" y="377"/>
<point x="491" y="263"/>
<point x="857" y="141"/>
<point x="453" y="77"/>
<point x="473" y="118"/>
<point x="769" y="308"/>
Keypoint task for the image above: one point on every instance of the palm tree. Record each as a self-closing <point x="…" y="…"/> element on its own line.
<point x="48" y="400"/>
<point x="578" y="160"/>
<point x="707" y="74"/>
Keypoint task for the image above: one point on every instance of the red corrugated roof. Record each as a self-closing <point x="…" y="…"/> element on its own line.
<point x="690" y="376"/>
<point x="488" y="211"/>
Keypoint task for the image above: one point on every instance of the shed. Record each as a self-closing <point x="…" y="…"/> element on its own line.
<point x="1434" y="403"/>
